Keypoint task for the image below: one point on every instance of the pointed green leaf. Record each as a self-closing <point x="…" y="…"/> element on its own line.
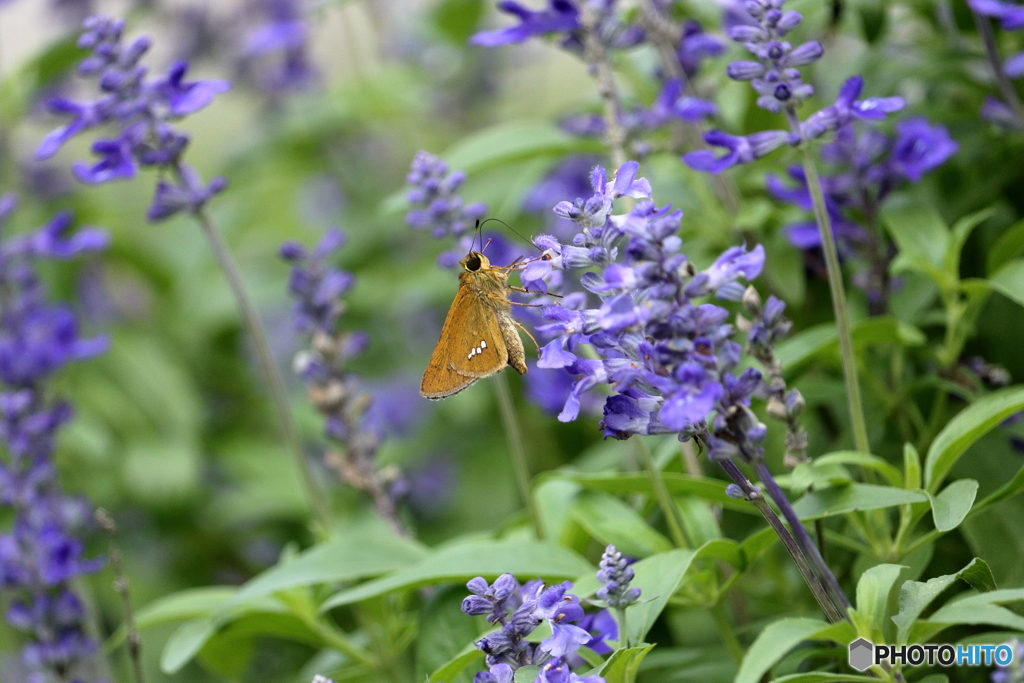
<point x="873" y="596"/>
<point x="361" y="554"/>
<point x="915" y="596"/>
<point x="611" y="521"/>
<point x="952" y="504"/>
<point x="839" y="500"/>
<point x="969" y="425"/>
<point x="622" y="665"/>
<point x="185" y="642"/>
<point x="1009" y="246"/>
<point x="461" y="563"/>
<point x="773" y="643"/>
<point x="1009" y="280"/>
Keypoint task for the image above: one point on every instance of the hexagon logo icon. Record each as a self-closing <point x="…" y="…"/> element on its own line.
<point x="861" y="654"/>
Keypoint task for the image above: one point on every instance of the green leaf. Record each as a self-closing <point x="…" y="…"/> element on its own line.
<point x="839" y="500"/>
<point x="824" y="677"/>
<point x="952" y="504"/>
<point x="676" y="483"/>
<point x="918" y="230"/>
<point x="460" y="563"/>
<point x="1009" y="246"/>
<point x="658" y="577"/>
<point x="873" y="597"/>
<point x="915" y="596"/>
<point x="774" y="642"/>
<point x="505" y="143"/>
<point x="823" y="339"/>
<point x="968" y="426"/>
<point x="527" y="674"/>
<point x="359" y="554"/>
<point x="1010" y="488"/>
<point x="185" y="643"/>
<point x="911" y="467"/>
<point x="611" y="521"/>
<point x="889" y="472"/>
<point x="623" y="664"/>
<point x="1009" y="280"/>
<point x="961" y="231"/>
<point x="186" y="604"/>
<point x="456" y="665"/>
<point x="443" y="631"/>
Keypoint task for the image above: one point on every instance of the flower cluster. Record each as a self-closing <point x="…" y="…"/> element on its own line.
<point x="669" y="360"/>
<point x="518" y="611"/>
<point x="42" y="554"/>
<point x="1014" y="671"/>
<point x="436" y="205"/>
<point x="615" y="574"/>
<point x="863" y="166"/>
<point x="690" y="45"/>
<point x="562" y="17"/>
<point x="274" y="57"/>
<point x="142" y="110"/>
<point x="316" y="288"/>
<point x="760" y="26"/>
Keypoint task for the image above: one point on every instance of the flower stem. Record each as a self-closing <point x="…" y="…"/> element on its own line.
<point x="802" y="537"/>
<point x="732" y="643"/>
<point x="275" y="383"/>
<point x="1006" y="89"/>
<point x="514" y="437"/>
<point x="597" y="60"/>
<point x="106" y="522"/>
<point x="623" y="634"/>
<point x="753" y="495"/>
<point x="839" y="307"/>
<point x="665" y="502"/>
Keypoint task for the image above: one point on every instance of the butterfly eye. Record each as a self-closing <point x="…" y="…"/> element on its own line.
<point x="473" y="263"/>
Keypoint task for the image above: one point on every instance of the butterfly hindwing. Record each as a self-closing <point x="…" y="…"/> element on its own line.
<point x="471" y="346"/>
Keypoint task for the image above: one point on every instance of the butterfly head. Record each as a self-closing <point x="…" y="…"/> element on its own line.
<point x="474" y="262"/>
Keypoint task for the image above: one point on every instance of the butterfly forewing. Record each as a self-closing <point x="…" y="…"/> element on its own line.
<point x="470" y="347"/>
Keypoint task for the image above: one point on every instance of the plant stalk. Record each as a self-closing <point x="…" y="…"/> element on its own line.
<point x="665" y="502"/>
<point x="597" y="60"/>
<point x="753" y="495"/>
<point x="517" y="451"/>
<point x="271" y="374"/>
<point x="802" y="537"/>
<point x="1006" y="89"/>
<point x="732" y="643"/>
<point x="839" y="307"/>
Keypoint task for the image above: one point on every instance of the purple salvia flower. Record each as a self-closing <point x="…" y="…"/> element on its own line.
<point x="141" y="109"/>
<point x="435" y="205"/>
<point x="740" y="149"/>
<point x="41" y="555"/>
<point x="519" y="610"/>
<point x="561" y="17"/>
<point x="615" y="574"/>
<point x="669" y="360"/>
<point x="275" y="55"/>
<point x="316" y="288"/>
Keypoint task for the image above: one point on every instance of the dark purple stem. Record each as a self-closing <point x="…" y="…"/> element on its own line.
<point x="753" y="495"/>
<point x="801" y="535"/>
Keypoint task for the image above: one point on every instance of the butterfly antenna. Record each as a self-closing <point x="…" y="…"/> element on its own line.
<point x="513" y="230"/>
<point x="477" y="236"/>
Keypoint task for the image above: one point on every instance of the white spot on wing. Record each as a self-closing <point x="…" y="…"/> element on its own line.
<point x="478" y="350"/>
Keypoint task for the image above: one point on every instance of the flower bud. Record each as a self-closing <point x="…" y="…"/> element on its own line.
<point x="751" y="300"/>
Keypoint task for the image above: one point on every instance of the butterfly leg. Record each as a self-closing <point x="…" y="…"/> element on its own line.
<point x="531" y="291"/>
<point x="523" y="328"/>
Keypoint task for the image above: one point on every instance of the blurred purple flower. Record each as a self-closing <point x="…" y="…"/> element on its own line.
<point x="141" y="110"/>
<point x="41" y="555"/>
<point x="275" y="55"/>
